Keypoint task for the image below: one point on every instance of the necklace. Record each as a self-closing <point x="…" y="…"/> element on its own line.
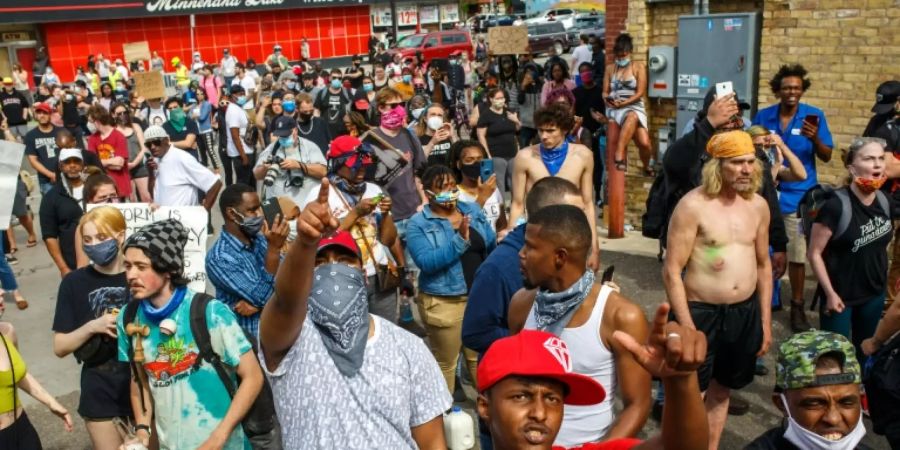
<point x="311" y="124"/>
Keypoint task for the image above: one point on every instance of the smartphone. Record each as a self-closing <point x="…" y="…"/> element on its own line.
<point x="271" y="208"/>
<point x="811" y="119"/>
<point x="377" y="199"/>
<point x="724" y="88"/>
<point x="608" y="274"/>
<point x="487" y="169"/>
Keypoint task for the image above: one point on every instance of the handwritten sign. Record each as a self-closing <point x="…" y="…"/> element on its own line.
<point x="508" y="40"/>
<point x="136" y="51"/>
<point x="149" y="85"/>
<point x="9" y="176"/>
<point x="193" y="218"/>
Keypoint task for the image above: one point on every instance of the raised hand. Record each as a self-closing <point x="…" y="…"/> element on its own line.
<point x="316" y="219"/>
<point x="464" y="228"/>
<point x="277" y="233"/>
<point x="671" y="350"/>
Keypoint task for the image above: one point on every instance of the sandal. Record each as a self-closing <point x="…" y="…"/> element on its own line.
<point x="21" y="303"/>
<point x="649" y="172"/>
<point x="31" y="243"/>
<point x="621" y="165"/>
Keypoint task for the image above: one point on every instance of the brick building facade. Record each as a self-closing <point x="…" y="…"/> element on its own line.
<point x="849" y="48"/>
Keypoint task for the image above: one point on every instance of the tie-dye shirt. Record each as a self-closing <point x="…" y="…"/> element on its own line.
<point x="188" y="403"/>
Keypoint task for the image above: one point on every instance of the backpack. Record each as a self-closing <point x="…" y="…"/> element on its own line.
<point x="881" y="377"/>
<point x="654" y="219"/>
<point x="261" y="423"/>
<point x="814" y="199"/>
<point x="323" y="98"/>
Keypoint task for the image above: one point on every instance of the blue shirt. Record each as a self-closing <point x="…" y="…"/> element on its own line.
<point x="238" y="272"/>
<point x="792" y="191"/>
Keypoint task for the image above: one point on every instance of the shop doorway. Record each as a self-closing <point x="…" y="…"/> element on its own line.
<point x="21" y="52"/>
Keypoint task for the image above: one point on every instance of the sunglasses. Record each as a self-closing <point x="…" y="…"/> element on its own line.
<point x="392" y="105"/>
<point x="153" y="143"/>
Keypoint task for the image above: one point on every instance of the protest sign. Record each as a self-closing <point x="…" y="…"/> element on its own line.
<point x="136" y="51"/>
<point x="512" y="40"/>
<point x="149" y="84"/>
<point x="193" y="218"/>
<point x="9" y="176"/>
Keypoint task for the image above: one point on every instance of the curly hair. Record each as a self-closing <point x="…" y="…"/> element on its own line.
<point x="792" y="70"/>
<point x="554" y="114"/>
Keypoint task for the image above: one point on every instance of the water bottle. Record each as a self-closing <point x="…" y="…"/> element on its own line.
<point x="459" y="430"/>
<point x="406" y="315"/>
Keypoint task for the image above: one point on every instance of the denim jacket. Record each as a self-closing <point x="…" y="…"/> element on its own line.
<point x="436" y="248"/>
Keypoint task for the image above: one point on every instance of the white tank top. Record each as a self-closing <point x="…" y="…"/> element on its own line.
<point x="583" y="424"/>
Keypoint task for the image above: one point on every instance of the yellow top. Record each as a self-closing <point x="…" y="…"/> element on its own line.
<point x="182" y="76"/>
<point x="6" y="384"/>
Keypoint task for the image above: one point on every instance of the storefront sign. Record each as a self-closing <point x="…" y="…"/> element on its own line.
<point x="450" y="13"/>
<point x="407" y="15"/>
<point x="11" y="36"/>
<point x="381" y="15"/>
<point x="428" y="14"/>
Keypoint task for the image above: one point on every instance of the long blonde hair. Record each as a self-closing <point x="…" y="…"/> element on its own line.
<point x="713" y="183"/>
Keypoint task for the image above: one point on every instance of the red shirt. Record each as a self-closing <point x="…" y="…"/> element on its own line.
<point x="114" y="145"/>
<point x="615" y="444"/>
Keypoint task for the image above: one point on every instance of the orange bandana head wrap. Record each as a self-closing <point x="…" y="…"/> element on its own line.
<point x="730" y="144"/>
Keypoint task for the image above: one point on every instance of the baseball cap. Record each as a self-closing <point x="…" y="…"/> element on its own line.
<point x="68" y="153"/>
<point x="42" y="107"/>
<point x="283" y="126"/>
<point x="341" y="239"/>
<point x="885" y="97"/>
<point x="797" y="356"/>
<point x="7" y="80"/>
<point x="236" y="89"/>
<point x="343" y="145"/>
<point x="297" y="70"/>
<point x="155" y="132"/>
<point x="539" y="354"/>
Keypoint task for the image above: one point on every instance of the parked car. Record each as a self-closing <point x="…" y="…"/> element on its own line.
<point x="499" y="21"/>
<point x="587" y="24"/>
<point x="543" y="36"/>
<point x="564" y="15"/>
<point x="436" y="44"/>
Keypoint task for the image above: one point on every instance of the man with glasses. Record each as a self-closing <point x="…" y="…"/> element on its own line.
<point x="61" y="210"/>
<point x="40" y="147"/>
<point x="176" y="176"/>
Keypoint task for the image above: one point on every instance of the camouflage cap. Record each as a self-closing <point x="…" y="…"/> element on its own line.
<point x="797" y="356"/>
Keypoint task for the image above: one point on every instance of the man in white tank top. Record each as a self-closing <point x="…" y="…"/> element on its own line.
<point x="584" y="314"/>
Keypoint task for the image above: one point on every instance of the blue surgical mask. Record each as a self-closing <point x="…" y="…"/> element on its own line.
<point x="102" y="254"/>
<point x="290" y="85"/>
<point x="289" y="106"/>
<point x="367" y="87"/>
<point x="407" y="79"/>
<point x="445" y="197"/>
<point x="623" y="62"/>
<point x="241" y="100"/>
<point x="286" y="142"/>
<point x="335" y="83"/>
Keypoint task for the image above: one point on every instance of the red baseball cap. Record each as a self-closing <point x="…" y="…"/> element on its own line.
<point x="43" y="107"/>
<point x="533" y="353"/>
<point x="341" y="239"/>
<point x="347" y="145"/>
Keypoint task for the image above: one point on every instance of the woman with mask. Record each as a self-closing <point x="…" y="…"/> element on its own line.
<point x="395" y="68"/>
<point x="363" y="209"/>
<point x="137" y="154"/>
<point x="559" y="79"/>
<point x="448" y="240"/>
<point x="364" y="98"/>
<point x="88" y="301"/>
<point x="202" y="114"/>
<point x="270" y="108"/>
<point x="436" y="135"/>
<point x="99" y="189"/>
<point x="402" y="82"/>
<point x="110" y="147"/>
<point x="624" y="87"/>
<point x="777" y="153"/>
<point x="106" y="97"/>
<point x="496" y="131"/>
<point x="380" y="77"/>
<point x="850" y="258"/>
<point x="416" y="107"/>
<point x="465" y="160"/>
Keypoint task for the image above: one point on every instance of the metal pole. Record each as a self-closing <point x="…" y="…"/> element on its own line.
<point x="394" y="26"/>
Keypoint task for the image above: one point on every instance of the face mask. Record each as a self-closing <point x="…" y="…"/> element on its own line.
<point x="286" y="142"/>
<point x="805" y="439"/>
<point x="623" y="62"/>
<point x="435" y="122"/>
<point x="869" y="185"/>
<point x="367" y="87"/>
<point x="292" y="231"/>
<point x="305" y="117"/>
<point x="416" y="113"/>
<point x="338" y="307"/>
<point x="241" y="100"/>
<point x="104" y="253"/>
<point x="290" y="85"/>
<point x="498" y="104"/>
<point x="250" y="225"/>
<point x="445" y="197"/>
<point x="91" y="127"/>
<point x="407" y="79"/>
<point x="335" y="83"/>
<point x="289" y="106"/>
<point x="454" y="62"/>
<point x="393" y="119"/>
<point x="586" y="77"/>
<point x="176" y="116"/>
<point x="471" y="171"/>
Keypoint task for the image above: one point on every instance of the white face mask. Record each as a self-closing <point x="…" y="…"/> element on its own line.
<point x="435" y="122"/>
<point x="416" y="113"/>
<point x="91" y="127"/>
<point x="808" y="440"/>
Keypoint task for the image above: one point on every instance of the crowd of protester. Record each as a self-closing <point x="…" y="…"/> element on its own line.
<point x="465" y="189"/>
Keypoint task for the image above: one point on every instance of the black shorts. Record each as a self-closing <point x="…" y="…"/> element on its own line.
<point x="733" y="336"/>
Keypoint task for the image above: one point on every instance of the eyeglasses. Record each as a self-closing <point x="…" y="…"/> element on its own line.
<point x="153" y="143"/>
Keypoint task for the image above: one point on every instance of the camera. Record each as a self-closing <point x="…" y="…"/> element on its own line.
<point x="294" y="178"/>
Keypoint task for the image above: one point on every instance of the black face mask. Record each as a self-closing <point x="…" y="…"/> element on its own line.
<point x="471" y="171"/>
<point x="305" y="117"/>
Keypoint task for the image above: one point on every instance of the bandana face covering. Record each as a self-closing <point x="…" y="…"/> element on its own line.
<point x="156" y="315"/>
<point x="869" y="185"/>
<point x="808" y="440"/>
<point x="553" y="310"/>
<point x="554" y="158"/>
<point x="338" y="307"/>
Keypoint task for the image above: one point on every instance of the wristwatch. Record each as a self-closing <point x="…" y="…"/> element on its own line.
<point x="146" y="428"/>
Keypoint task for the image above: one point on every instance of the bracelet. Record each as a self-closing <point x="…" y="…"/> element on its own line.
<point x="140" y="427"/>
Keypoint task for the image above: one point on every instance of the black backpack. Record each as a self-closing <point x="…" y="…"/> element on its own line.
<point x="655" y="217"/>
<point x="882" y="381"/>
<point x="261" y="423"/>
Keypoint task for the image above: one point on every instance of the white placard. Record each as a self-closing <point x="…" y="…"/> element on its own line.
<point x="450" y="13"/>
<point x="194" y="218"/>
<point x="428" y="14"/>
<point x="10" y="164"/>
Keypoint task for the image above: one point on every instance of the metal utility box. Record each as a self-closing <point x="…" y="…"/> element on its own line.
<point x="661" y="72"/>
<point x="713" y="48"/>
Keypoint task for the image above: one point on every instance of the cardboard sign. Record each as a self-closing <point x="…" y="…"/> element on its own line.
<point x="192" y="217"/>
<point x="149" y="84"/>
<point x="9" y="176"/>
<point x="136" y="51"/>
<point x="508" y="40"/>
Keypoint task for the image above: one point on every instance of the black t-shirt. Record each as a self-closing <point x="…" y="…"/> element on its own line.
<point x="70" y="115"/>
<point x="59" y="216"/>
<point x="355" y="82"/>
<point x="43" y="145"/>
<point x="84" y="295"/>
<point x="317" y="131"/>
<point x="14" y="105"/>
<point x="501" y="133"/>
<point x="332" y="108"/>
<point x="472" y="258"/>
<point x="856" y="261"/>
<point x="440" y="152"/>
<point x="587" y="99"/>
<point x="190" y="127"/>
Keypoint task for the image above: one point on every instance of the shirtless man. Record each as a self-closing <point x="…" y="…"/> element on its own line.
<point x="719" y="234"/>
<point x="554" y="157"/>
<point x="569" y="303"/>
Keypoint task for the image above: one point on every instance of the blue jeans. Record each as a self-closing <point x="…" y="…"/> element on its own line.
<point x="7" y="277"/>
<point x="856" y="323"/>
<point x="45" y="187"/>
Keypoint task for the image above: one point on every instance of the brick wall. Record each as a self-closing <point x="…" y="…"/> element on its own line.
<point x="848" y="47"/>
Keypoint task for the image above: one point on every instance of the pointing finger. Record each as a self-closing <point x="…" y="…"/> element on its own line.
<point x="626" y="340"/>
<point x="658" y="327"/>
<point x="323" y="192"/>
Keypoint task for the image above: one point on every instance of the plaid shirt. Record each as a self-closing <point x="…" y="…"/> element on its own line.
<point x="238" y="272"/>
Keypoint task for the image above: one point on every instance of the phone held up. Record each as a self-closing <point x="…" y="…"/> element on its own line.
<point x="487" y="169"/>
<point x="271" y="209"/>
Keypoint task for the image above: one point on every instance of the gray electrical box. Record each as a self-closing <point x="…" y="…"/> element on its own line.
<point x="661" y="72"/>
<point x="713" y="48"/>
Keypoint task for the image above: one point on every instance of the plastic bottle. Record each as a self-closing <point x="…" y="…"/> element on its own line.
<point x="459" y="429"/>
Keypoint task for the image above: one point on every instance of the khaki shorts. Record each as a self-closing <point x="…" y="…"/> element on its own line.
<point x="796" y="247"/>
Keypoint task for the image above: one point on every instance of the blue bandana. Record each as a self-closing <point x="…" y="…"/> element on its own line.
<point x="554" y="310"/>
<point x="554" y="158"/>
<point x="156" y="315"/>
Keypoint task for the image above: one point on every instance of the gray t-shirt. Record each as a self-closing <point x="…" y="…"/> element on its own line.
<point x="307" y="153"/>
<point x="399" y="387"/>
<point x="403" y="192"/>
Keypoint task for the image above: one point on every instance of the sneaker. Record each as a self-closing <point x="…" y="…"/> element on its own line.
<point x="12" y="260"/>
<point x="738" y="406"/>
<point x="761" y="369"/>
